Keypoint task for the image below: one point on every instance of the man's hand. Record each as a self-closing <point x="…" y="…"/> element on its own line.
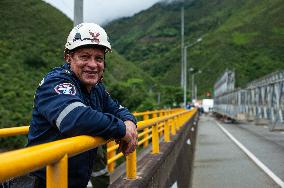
<point x="132" y="127"/>
<point x="129" y="142"/>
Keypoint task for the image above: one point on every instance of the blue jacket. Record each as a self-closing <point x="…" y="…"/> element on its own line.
<point x="63" y="108"/>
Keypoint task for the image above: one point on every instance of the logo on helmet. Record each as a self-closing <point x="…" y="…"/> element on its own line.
<point x="93" y="39"/>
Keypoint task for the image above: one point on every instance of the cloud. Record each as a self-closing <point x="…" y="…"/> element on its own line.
<point x="65" y="6"/>
<point x="101" y="12"/>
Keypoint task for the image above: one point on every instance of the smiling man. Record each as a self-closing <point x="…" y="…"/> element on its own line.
<point x="71" y="100"/>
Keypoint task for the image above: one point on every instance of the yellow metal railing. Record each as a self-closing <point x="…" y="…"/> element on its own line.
<point x="22" y="130"/>
<point x="156" y="113"/>
<point x="14" y="131"/>
<point x="151" y="128"/>
<point x="54" y="155"/>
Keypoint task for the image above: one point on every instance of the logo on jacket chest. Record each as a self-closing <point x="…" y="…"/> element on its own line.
<point x="65" y="88"/>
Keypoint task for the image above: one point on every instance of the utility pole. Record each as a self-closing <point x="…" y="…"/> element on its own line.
<point x="78" y="12"/>
<point x="182" y="47"/>
<point x="185" y="69"/>
<point x="185" y="75"/>
<point x="192" y="87"/>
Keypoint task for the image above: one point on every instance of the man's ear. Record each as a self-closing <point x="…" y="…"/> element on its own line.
<point x="67" y="57"/>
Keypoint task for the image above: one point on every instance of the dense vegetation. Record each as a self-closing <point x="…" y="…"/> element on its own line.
<point x="32" y="40"/>
<point x="244" y="35"/>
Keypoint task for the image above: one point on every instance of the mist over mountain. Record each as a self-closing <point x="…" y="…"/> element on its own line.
<point x="244" y="35"/>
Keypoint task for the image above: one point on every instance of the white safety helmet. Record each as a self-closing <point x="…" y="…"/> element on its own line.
<point x="87" y="34"/>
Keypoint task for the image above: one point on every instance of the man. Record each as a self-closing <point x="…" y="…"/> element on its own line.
<point x="72" y="101"/>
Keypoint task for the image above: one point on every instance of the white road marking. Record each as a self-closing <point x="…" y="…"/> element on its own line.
<point x="174" y="185"/>
<point x="265" y="127"/>
<point x="253" y="157"/>
<point x="188" y="142"/>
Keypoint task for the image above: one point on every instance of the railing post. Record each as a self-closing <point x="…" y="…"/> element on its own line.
<point x="146" y="130"/>
<point x="110" y="155"/>
<point x="181" y="120"/>
<point x="154" y="115"/>
<point x="167" y="131"/>
<point x="161" y="113"/>
<point x="56" y="174"/>
<point x="131" y="166"/>
<point x="155" y="139"/>
<point x="173" y="125"/>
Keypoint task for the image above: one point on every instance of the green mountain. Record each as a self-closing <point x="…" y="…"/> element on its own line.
<point x="244" y="35"/>
<point x="32" y="38"/>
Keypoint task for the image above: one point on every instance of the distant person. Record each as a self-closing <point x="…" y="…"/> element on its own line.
<point x="188" y="106"/>
<point x="200" y="110"/>
<point x="71" y="100"/>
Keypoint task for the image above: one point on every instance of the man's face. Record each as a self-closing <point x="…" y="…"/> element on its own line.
<point x="88" y="65"/>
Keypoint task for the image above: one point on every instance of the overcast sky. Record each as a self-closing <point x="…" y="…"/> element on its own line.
<point x="102" y="11"/>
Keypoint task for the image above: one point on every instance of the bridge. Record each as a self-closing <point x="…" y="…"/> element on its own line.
<point x="239" y="144"/>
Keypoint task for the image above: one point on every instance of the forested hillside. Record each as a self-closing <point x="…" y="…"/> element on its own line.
<point x="32" y="39"/>
<point x="244" y="35"/>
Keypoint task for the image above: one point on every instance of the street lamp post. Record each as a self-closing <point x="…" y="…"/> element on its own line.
<point x="185" y="68"/>
<point x="193" y="85"/>
<point x="182" y="47"/>
<point x="78" y="12"/>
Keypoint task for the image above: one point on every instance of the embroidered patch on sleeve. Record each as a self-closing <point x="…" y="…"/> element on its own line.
<point x="65" y="88"/>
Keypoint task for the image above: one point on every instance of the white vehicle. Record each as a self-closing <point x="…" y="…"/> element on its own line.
<point x="207" y="105"/>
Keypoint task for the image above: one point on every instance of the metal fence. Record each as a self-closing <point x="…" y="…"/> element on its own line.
<point x="261" y="100"/>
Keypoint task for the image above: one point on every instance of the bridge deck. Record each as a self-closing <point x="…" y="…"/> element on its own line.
<point x="219" y="162"/>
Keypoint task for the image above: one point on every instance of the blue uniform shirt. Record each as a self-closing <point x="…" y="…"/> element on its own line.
<point x="63" y="108"/>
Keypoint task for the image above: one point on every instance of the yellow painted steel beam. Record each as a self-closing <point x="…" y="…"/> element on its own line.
<point x="22" y="130"/>
<point x="167" y="132"/>
<point x="119" y="155"/>
<point x="111" y="154"/>
<point x="57" y="174"/>
<point x="111" y="147"/>
<point x="13" y="131"/>
<point x="155" y="140"/>
<point x="156" y="111"/>
<point x="131" y="166"/>
<point x="28" y="160"/>
<point x="146" y="130"/>
<point x="23" y="161"/>
<point x="144" y="140"/>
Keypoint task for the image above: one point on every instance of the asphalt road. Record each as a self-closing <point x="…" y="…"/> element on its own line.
<point x="221" y="162"/>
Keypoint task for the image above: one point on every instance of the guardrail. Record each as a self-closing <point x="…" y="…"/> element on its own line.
<point x="111" y="146"/>
<point x="22" y="130"/>
<point x="14" y="131"/>
<point x="54" y="155"/>
<point x="156" y="113"/>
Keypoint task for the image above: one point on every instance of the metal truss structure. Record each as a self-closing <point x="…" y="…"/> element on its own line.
<point x="261" y="101"/>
